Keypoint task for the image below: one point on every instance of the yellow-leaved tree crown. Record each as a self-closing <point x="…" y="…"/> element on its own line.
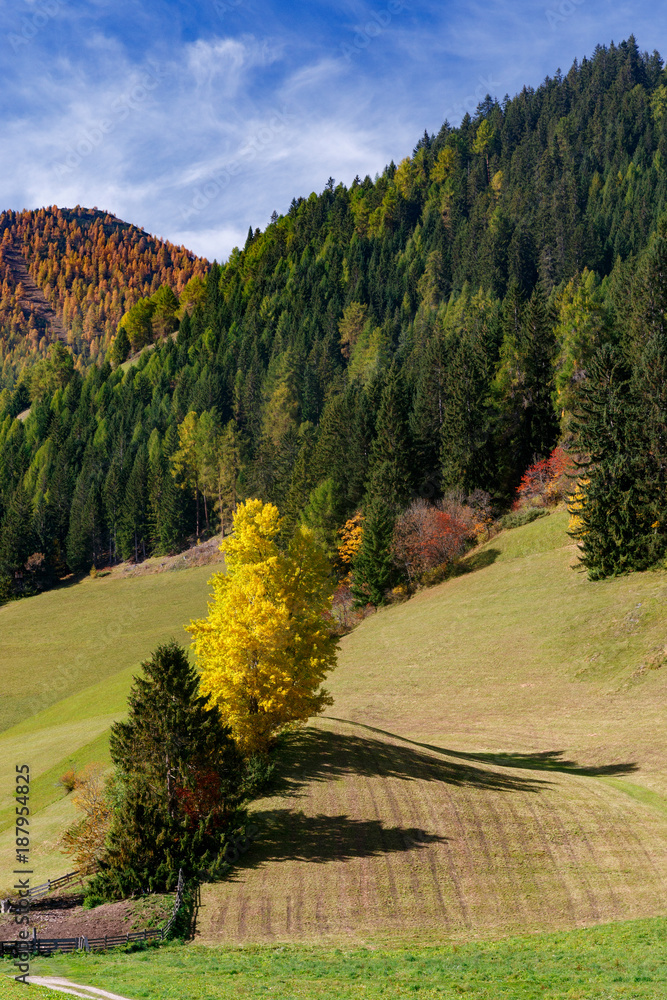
<point x="266" y="645"/>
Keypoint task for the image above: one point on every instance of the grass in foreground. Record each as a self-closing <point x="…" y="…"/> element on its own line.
<point x="606" y="963"/>
<point x="11" y="990"/>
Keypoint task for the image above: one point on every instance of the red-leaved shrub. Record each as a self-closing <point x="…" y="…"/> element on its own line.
<point x="425" y="537"/>
<point x="545" y="482"/>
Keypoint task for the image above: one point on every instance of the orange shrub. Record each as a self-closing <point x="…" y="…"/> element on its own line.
<point x="425" y="537"/>
<point x="545" y="482"/>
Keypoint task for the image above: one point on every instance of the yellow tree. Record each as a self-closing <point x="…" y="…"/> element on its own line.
<point x="266" y="646"/>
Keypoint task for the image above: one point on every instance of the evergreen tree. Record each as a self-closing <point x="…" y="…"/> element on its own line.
<point x="525" y="387"/>
<point x="391" y="467"/>
<point x="133" y="534"/>
<point x="373" y="567"/>
<point x="121" y="347"/>
<point x="86" y="523"/>
<point x="16" y="542"/>
<point x="616" y="511"/>
<point x="164" y="505"/>
<point x="179" y="781"/>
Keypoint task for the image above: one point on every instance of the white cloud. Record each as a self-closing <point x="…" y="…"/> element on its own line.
<point x="197" y="140"/>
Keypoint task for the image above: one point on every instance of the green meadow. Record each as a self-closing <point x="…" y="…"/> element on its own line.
<point x="482" y="812"/>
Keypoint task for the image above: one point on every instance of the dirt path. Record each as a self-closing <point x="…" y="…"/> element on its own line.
<point x="33" y="294"/>
<point x="73" y="989"/>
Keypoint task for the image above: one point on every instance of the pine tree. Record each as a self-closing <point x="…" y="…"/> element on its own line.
<point x="17" y="541"/>
<point x="373" y="568"/>
<point x="179" y="778"/>
<point x="133" y="534"/>
<point x="86" y="524"/>
<point x="391" y="468"/>
<point x="525" y="387"/>
<point x="164" y="505"/>
<point x="616" y="510"/>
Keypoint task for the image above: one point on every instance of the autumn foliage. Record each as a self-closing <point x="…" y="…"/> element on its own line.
<point x="266" y="645"/>
<point x="89" y="266"/>
<point x="546" y="482"/>
<point x="84" y="841"/>
<point x="426" y="536"/>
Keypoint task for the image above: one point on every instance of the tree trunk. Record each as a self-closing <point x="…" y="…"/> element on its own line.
<point x="197" y="502"/>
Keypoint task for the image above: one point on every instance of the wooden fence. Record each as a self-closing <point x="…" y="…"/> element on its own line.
<point x="46" y="946"/>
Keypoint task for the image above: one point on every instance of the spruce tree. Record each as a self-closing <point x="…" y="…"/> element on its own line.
<point x="373" y="569"/>
<point x="86" y="524"/>
<point x="17" y="541"/>
<point x="390" y="478"/>
<point x="525" y="387"/>
<point x="133" y="534"/>
<point x="179" y="781"/>
<point x="616" y="531"/>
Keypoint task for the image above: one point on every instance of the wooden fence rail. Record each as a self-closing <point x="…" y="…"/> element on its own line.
<point x="46" y="946"/>
<point x="36" y="892"/>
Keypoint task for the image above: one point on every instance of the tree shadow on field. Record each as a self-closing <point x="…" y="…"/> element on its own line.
<point x="480" y="560"/>
<point x="321" y="755"/>
<point x="547" y="760"/>
<point x="292" y="836"/>
<point x="550" y="760"/>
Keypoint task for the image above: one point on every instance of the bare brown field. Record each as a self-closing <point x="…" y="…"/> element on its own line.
<point x="495" y="763"/>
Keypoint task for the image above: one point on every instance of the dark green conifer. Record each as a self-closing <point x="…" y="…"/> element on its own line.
<point x="373" y="570"/>
<point x="390" y="478"/>
<point x="133" y="534"/>
<point x="179" y="781"/>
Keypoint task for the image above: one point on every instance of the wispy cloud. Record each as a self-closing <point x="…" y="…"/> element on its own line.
<point x="196" y="122"/>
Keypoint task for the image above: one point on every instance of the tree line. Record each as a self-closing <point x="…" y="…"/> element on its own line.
<point x="440" y="328"/>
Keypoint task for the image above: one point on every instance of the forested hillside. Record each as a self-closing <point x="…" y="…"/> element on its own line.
<point x="436" y="329"/>
<point x="70" y="275"/>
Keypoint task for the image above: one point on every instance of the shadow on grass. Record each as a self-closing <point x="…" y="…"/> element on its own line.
<point x="548" y="760"/>
<point x="480" y="560"/>
<point x="318" y="755"/>
<point x="292" y="836"/>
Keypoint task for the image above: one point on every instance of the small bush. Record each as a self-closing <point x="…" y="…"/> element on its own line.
<point x="259" y="771"/>
<point x="517" y="518"/>
<point x="93" y="900"/>
<point x="69" y="780"/>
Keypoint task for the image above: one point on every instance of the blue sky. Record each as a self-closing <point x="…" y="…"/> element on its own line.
<point x="197" y="119"/>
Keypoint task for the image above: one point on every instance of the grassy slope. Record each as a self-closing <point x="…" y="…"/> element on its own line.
<point x="66" y="666"/>
<point x="500" y="766"/>
<point x="619" y="962"/>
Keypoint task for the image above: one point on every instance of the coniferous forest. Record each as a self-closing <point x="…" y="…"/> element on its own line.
<point x="436" y="330"/>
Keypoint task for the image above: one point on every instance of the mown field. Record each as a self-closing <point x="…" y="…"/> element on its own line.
<point x="616" y="962"/>
<point x="494" y="763"/>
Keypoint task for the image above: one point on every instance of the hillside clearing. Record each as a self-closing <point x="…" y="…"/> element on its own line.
<point x="494" y="764"/>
